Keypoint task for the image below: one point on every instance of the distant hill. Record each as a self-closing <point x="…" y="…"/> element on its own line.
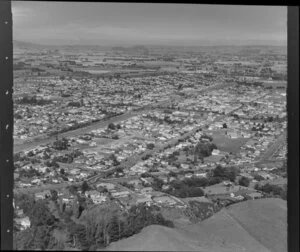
<point x="258" y="225"/>
<point x="27" y="45"/>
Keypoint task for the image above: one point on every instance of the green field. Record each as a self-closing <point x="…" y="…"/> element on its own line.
<point x="227" y="144"/>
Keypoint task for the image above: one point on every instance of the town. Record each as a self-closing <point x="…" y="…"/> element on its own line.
<point x="183" y="131"/>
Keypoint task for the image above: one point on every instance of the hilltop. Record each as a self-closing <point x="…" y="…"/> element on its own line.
<point x="259" y="225"/>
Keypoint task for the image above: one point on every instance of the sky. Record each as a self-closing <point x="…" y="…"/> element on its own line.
<point x="69" y="23"/>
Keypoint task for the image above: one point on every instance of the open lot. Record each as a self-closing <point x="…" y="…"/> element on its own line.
<point x="227" y="144"/>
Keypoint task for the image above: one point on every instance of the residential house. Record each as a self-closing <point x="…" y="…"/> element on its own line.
<point x="42" y="195"/>
<point x="23" y="222"/>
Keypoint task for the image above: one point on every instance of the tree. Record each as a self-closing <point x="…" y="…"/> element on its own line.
<point x="172" y="174"/>
<point x="84" y="186"/>
<point x="258" y="177"/>
<point x="78" y="233"/>
<point x="113" y="228"/>
<point x="111" y="126"/>
<point x="244" y="181"/>
<point x="40" y="214"/>
<point x="115" y="136"/>
<point x="61" y="144"/>
<point x="119" y="169"/>
<point x="224" y="126"/>
<point x="150" y="146"/>
<point x="157" y="183"/>
<point x="25" y="202"/>
<point x="54" y="195"/>
<point x="225" y="173"/>
<point x="62" y="171"/>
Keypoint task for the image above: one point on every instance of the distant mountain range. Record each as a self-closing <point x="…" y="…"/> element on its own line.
<point x="24" y="45"/>
<point x="30" y="45"/>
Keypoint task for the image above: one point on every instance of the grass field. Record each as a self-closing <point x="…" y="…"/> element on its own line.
<point x="255" y="225"/>
<point x="227" y="144"/>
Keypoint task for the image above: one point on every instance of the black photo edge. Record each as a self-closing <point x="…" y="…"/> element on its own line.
<point x="6" y="126"/>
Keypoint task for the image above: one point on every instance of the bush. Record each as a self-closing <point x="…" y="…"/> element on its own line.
<point x="61" y="144"/>
<point x="225" y="173"/>
<point x="40" y="214"/>
<point x="244" y="181"/>
<point x="186" y="191"/>
<point x="258" y="177"/>
<point x="74" y="104"/>
<point x="34" y="101"/>
<point x="273" y="190"/>
<point x="111" y="126"/>
<point x="84" y="186"/>
<point x="150" y="146"/>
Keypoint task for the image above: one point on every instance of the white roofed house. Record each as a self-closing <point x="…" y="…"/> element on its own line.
<point x="36" y="181"/>
<point x="96" y="196"/>
<point x="201" y="174"/>
<point x="215" y="152"/>
<point x="232" y="134"/>
<point x="75" y="171"/>
<point x="42" y="195"/>
<point x="120" y="194"/>
<point x="23" y="223"/>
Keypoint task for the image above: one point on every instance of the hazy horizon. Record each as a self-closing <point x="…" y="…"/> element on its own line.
<point x="128" y="24"/>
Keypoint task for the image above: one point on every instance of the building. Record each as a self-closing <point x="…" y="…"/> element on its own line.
<point x="215" y="152"/>
<point x="95" y="196"/>
<point x="42" y="195"/>
<point x="24" y="223"/>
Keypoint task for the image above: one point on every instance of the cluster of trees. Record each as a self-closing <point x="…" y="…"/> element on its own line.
<point x="157" y="183"/>
<point x="29" y="173"/>
<point x="100" y="231"/>
<point x="18" y="115"/>
<point x="84" y="186"/>
<point x="40" y="234"/>
<point x="68" y="157"/>
<point x="203" y="149"/>
<point x="150" y="146"/>
<point x="18" y="157"/>
<point x="200" y="210"/>
<point x="113" y="126"/>
<point x="186" y="191"/>
<point x="243" y="181"/>
<point x="60" y="144"/>
<point x="114" y="159"/>
<point x="225" y="173"/>
<point x="259" y="127"/>
<point x="281" y="171"/>
<point x="32" y="100"/>
<point x="274" y="190"/>
<point x="166" y="119"/>
<point x="258" y="177"/>
<point x="51" y="163"/>
<point x="186" y="188"/>
<point x="147" y="156"/>
<point x="74" y="104"/>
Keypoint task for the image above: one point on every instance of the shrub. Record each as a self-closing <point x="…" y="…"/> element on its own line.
<point x="244" y="181"/>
